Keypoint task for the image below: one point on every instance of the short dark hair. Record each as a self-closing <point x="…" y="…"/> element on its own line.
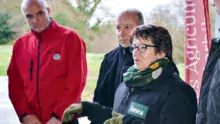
<point x="134" y="11"/>
<point x="159" y="36"/>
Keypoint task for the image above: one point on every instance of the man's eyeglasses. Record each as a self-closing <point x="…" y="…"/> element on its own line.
<point x="141" y="47"/>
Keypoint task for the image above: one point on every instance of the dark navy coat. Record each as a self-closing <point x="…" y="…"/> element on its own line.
<point x="113" y="66"/>
<point x="209" y="102"/>
<point x="169" y="101"/>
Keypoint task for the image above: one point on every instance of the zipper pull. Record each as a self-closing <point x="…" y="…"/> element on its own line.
<point x="31" y="70"/>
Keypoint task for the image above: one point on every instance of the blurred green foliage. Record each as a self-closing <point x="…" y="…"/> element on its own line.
<point x="6" y="32"/>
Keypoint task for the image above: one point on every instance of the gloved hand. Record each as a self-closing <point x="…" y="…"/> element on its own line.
<point x="71" y="111"/>
<point x="116" y="119"/>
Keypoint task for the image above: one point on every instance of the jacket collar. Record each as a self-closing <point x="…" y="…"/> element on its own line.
<point x="122" y="48"/>
<point x="47" y="32"/>
<point x="123" y="51"/>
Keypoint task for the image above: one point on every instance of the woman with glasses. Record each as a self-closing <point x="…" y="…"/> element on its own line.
<point x="152" y="91"/>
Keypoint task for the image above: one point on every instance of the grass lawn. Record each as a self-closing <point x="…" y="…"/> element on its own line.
<point x="93" y="61"/>
<point x="5" y="56"/>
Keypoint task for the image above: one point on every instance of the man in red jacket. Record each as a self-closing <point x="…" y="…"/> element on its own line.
<point x="48" y="67"/>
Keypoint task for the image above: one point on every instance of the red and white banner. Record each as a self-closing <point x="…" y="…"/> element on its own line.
<point x="197" y="41"/>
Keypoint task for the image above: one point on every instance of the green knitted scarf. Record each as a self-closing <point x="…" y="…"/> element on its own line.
<point x="134" y="78"/>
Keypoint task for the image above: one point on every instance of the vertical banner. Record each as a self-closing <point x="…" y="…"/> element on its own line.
<point x="197" y="41"/>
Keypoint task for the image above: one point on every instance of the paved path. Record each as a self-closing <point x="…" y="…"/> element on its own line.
<point x="7" y="113"/>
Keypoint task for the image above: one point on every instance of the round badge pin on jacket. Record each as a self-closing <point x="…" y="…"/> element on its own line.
<point x="56" y="56"/>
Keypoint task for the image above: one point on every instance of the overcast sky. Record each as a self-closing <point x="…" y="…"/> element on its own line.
<point x="119" y="5"/>
<point x="116" y="6"/>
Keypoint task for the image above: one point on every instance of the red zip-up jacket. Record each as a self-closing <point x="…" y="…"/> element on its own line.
<point x="47" y="72"/>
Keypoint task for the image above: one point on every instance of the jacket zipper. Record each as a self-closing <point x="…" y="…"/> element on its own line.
<point x="122" y="68"/>
<point x="31" y="70"/>
<point x="38" y="72"/>
<point x="125" y="102"/>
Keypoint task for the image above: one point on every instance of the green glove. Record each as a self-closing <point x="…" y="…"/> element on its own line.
<point x="116" y="119"/>
<point x="70" y="111"/>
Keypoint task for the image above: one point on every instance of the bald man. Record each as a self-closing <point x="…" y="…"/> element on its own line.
<point x="209" y="101"/>
<point x="117" y="61"/>
<point x="48" y="67"/>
